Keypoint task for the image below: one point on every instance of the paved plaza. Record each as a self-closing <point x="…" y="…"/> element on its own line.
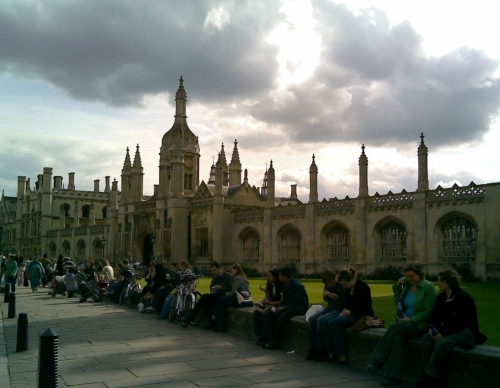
<point x="104" y="345"/>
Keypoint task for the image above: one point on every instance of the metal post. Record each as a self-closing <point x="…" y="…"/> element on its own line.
<point x="22" y="332"/>
<point x="48" y="360"/>
<point x="7" y="292"/>
<point x="12" y="305"/>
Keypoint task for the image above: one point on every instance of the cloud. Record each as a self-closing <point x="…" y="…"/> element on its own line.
<point x="119" y="51"/>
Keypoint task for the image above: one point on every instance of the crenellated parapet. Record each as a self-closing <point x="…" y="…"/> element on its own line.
<point x="456" y="195"/>
<point x="286" y="212"/>
<point x="335" y="206"/>
<point x="390" y="201"/>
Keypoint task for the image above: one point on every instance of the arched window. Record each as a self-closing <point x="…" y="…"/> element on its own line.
<point x="80" y="250"/>
<point x="85" y="211"/>
<point x="104" y="212"/>
<point x="251" y="247"/>
<point x="392" y="242"/>
<point x="290" y="246"/>
<point x="337" y="245"/>
<point x="65" y="207"/>
<point x="458" y="240"/>
<point x="66" y="248"/>
<point x="190" y="182"/>
<point x="185" y="181"/>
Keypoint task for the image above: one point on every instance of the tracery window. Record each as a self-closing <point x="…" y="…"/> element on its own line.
<point x="251" y="247"/>
<point x="290" y="247"/>
<point x="459" y="240"/>
<point x="85" y="211"/>
<point x="393" y="243"/>
<point x="337" y="245"/>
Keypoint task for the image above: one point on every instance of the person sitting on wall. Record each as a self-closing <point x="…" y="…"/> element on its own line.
<point x="164" y="291"/>
<point x="221" y="283"/>
<point x="125" y="276"/>
<point x="273" y="297"/>
<point x="295" y="302"/>
<point x="333" y="293"/>
<point x="453" y="322"/>
<point x="357" y="304"/>
<point x="241" y="285"/>
<point x="417" y="297"/>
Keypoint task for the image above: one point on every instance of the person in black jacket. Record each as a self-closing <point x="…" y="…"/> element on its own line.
<point x="357" y="304"/>
<point x="295" y="302"/>
<point x="454" y="318"/>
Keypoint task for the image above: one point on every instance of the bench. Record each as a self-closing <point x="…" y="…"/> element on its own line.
<point x="469" y="368"/>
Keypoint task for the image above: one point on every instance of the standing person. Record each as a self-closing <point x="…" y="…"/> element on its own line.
<point x="357" y="304"/>
<point x="241" y="285"/>
<point x="333" y="293"/>
<point x="35" y="273"/>
<point x="417" y="297"/>
<point x="20" y="274"/>
<point x="454" y="319"/>
<point x="11" y="273"/>
<point x="295" y="302"/>
<point x="60" y="265"/>
<point x="221" y="283"/>
<point x="273" y="297"/>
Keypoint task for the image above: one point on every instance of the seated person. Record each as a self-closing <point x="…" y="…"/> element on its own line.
<point x="295" y="302"/>
<point x="357" y="304"/>
<point x="159" y="280"/>
<point x="273" y="297"/>
<point x="164" y="291"/>
<point x="417" y="296"/>
<point x="125" y="276"/>
<point x="71" y="283"/>
<point x="454" y="321"/>
<point x="240" y="285"/>
<point x="102" y="283"/>
<point x="221" y="283"/>
<point x="333" y="294"/>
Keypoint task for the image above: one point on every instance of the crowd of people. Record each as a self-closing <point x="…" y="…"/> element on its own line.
<point x="440" y="321"/>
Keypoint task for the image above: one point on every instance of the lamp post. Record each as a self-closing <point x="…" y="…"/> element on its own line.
<point x="103" y="243"/>
<point x="152" y="240"/>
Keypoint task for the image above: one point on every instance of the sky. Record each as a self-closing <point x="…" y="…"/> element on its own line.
<point x="80" y="81"/>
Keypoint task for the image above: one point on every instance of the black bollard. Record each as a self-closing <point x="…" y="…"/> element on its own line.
<point x="12" y="305"/>
<point x="22" y="332"/>
<point x="48" y="360"/>
<point x="7" y="292"/>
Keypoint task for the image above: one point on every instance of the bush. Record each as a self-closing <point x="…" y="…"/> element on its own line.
<point x="251" y="272"/>
<point x="386" y="273"/>
<point x="466" y="271"/>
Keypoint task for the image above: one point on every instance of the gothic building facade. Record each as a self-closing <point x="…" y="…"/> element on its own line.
<point x="229" y="220"/>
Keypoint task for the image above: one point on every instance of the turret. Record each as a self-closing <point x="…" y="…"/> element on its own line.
<point x="126" y="178"/>
<point x="137" y="176"/>
<point x="270" y="186"/>
<point x="71" y="181"/>
<point x="21" y="186"/>
<point x="363" y="174"/>
<point x="423" y="177"/>
<point x="313" y="182"/>
<point x="235" y="167"/>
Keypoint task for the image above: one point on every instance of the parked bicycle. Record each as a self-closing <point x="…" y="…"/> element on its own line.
<point x="132" y="288"/>
<point x="184" y="301"/>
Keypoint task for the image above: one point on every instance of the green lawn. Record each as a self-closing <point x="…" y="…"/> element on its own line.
<point x="485" y="295"/>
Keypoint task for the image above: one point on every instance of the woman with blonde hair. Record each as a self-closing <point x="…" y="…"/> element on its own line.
<point x="241" y="285"/>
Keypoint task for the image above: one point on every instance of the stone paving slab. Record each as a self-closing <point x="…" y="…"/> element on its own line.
<point x="102" y="345"/>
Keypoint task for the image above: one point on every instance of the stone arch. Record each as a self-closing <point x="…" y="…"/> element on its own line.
<point x="80" y="250"/>
<point x="52" y="249"/>
<point x="250" y="245"/>
<point x="66" y="248"/>
<point x="289" y="244"/>
<point x="85" y="211"/>
<point x="390" y="235"/>
<point x="65" y="207"/>
<point x="145" y="246"/>
<point x="335" y="239"/>
<point x="96" y="248"/>
<point x="457" y="238"/>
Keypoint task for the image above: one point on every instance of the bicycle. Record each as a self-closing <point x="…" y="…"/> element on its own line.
<point x="185" y="299"/>
<point x="130" y="289"/>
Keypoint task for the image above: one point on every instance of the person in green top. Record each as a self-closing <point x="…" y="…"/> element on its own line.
<point x="417" y="297"/>
<point x="11" y="273"/>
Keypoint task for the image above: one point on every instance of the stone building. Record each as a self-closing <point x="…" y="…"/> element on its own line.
<point x="229" y="220"/>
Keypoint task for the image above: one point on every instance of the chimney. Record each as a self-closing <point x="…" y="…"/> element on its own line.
<point x="71" y="183"/>
<point x="96" y="185"/>
<point x="58" y="182"/>
<point x="107" y="188"/>
<point x="293" y="193"/>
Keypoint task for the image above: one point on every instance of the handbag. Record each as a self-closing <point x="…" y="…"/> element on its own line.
<point x="313" y="310"/>
<point x="368" y="322"/>
<point x="244" y="297"/>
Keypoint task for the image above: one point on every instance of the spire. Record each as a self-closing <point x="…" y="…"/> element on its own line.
<point x="423" y="175"/>
<point x="222" y="157"/>
<point x="363" y="159"/>
<point x="235" y="159"/>
<point x="313" y="181"/>
<point x="211" y="179"/>
<point x="137" y="159"/>
<point x="263" y="189"/>
<point x="363" y="174"/>
<point x="180" y="100"/>
<point x="127" y="165"/>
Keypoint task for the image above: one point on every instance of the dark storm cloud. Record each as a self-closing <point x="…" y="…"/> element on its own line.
<point x="375" y="85"/>
<point x="119" y="51"/>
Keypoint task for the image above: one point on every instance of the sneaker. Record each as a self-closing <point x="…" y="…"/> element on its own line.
<point x="149" y="309"/>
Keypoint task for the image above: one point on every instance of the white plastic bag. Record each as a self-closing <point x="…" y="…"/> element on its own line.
<point x="313" y="310"/>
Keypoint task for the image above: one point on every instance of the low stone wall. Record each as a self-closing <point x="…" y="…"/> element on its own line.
<point x="469" y="368"/>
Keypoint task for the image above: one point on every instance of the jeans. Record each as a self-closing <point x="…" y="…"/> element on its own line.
<point x="333" y="336"/>
<point x="280" y="321"/>
<point x="221" y="309"/>
<point x="390" y="350"/>
<point x="206" y="303"/>
<point x="12" y="281"/>
<point x="434" y="353"/>
<point x="317" y="327"/>
<point x="166" y="306"/>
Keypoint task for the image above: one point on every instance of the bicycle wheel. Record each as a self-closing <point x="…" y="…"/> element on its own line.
<point x="134" y="297"/>
<point x="199" y="316"/>
<point x="189" y="303"/>
<point x="172" y="313"/>
<point x="123" y="295"/>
